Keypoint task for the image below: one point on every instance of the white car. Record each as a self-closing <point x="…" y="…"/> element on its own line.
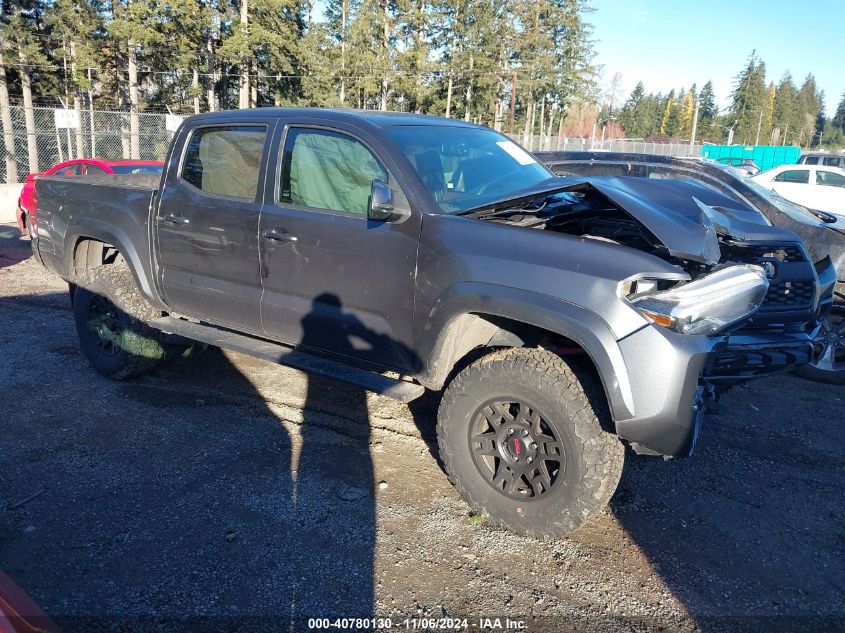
<point x="816" y="187"/>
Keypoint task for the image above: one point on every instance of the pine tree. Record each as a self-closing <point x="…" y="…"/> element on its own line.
<point x="668" y="106"/>
<point x="707" y="111"/>
<point x="839" y="117"/>
<point x="749" y="100"/>
<point x="633" y="115"/>
<point x="784" y="114"/>
<point x="809" y="105"/>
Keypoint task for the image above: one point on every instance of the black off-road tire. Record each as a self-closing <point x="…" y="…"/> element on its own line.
<point x="567" y="404"/>
<point x="110" y="315"/>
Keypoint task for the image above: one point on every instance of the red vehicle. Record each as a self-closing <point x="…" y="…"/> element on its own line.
<point x="27" y="218"/>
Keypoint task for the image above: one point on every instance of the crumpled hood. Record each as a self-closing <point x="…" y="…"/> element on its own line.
<point x="687" y="216"/>
<point x="684" y="215"/>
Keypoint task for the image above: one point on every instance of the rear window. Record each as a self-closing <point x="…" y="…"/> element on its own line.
<point x="136" y="169"/>
<point x="225" y="160"/>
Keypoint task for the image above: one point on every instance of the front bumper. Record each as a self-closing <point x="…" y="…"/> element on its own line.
<point x="673" y="375"/>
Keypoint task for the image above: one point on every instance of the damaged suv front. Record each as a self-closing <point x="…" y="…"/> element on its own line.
<point x="734" y="299"/>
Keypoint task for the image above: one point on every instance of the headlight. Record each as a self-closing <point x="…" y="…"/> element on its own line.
<point x="707" y="305"/>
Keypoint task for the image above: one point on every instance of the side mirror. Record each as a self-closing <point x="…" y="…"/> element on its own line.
<point x="381" y="202"/>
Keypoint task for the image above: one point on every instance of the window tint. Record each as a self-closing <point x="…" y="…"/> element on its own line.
<point x="137" y="169"/>
<point x="328" y="170"/>
<point x="69" y="170"/>
<point x="93" y="170"/>
<point x="833" y="161"/>
<point x="801" y="176"/>
<point x="225" y="160"/>
<point x="830" y="178"/>
<point x="810" y="160"/>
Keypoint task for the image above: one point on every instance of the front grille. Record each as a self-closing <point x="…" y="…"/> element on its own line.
<point x="790" y="294"/>
<point x="792" y="287"/>
<point x="756" y="253"/>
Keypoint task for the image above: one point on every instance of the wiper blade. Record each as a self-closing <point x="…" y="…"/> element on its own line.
<point x="510" y="209"/>
<point x="518" y="201"/>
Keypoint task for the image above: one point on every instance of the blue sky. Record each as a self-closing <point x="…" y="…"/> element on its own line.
<point x="669" y="44"/>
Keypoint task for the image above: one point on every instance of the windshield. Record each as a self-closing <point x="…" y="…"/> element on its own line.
<point x="137" y="169"/>
<point x="463" y="167"/>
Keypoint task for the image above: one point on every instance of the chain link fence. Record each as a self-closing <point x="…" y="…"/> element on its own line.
<point x="101" y="134"/>
<point x="106" y="134"/>
<point x="537" y="143"/>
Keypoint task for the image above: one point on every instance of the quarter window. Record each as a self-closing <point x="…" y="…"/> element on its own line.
<point x="322" y="169"/>
<point x="799" y="176"/>
<point x="225" y="160"/>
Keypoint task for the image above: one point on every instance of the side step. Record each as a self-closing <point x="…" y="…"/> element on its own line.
<point x="284" y="355"/>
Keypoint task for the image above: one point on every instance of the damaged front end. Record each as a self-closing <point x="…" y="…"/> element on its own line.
<point x="748" y="304"/>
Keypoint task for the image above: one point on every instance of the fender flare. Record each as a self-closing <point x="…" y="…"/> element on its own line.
<point x="86" y="228"/>
<point x="448" y="322"/>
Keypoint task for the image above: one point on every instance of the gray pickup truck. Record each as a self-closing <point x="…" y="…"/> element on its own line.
<point x="401" y="253"/>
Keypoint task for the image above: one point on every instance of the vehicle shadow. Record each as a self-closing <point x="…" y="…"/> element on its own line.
<point x="14" y="248"/>
<point x="752" y="524"/>
<point x="222" y="510"/>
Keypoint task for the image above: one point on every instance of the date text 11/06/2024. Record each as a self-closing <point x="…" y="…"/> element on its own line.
<point x="417" y="624"/>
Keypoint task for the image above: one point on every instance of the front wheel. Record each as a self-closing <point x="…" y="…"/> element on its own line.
<point x="828" y="362"/>
<point x="520" y="437"/>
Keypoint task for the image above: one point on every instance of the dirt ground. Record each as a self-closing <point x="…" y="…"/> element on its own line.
<point x="224" y="493"/>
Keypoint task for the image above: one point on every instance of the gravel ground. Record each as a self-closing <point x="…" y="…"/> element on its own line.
<point x="224" y="493"/>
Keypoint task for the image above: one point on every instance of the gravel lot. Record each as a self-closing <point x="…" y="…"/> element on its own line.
<point x="224" y="493"/>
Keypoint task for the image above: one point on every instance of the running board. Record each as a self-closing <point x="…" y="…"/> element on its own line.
<point x="284" y="355"/>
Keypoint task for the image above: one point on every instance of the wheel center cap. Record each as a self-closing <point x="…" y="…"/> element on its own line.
<point x="516" y="445"/>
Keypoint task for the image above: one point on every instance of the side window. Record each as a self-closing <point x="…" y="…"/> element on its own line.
<point x="829" y="178"/>
<point x="69" y="170"/>
<point x="93" y="170"/>
<point x="800" y="176"/>
<point x="322" y="169"/>
<point x="225" y="160"/>
<point x="810" y="160"/>
<point x="832" y="161"/>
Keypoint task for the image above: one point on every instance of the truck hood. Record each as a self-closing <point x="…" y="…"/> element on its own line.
<point x="687" y="217"/>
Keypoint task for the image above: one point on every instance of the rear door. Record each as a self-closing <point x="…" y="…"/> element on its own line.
<point x="794" y="184"/>
<point x="830" y="190"/>
<point x="207" y="221"/>
<point x="333" y="280"/>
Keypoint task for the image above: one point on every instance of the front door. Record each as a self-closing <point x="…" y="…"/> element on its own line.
<point x="333" y="280"/>
<point x="207" y="224"/>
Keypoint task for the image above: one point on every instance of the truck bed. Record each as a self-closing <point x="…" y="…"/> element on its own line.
<point x="111" y="208"/>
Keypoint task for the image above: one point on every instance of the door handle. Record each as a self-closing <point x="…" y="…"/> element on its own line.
<point x="278" y="236"/>
<point x="172" y="218"/>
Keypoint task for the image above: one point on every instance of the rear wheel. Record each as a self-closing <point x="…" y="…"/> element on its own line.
<point x="109" y="313"/>
<point x="520" y="437"/>
<point x="828" y="363"/>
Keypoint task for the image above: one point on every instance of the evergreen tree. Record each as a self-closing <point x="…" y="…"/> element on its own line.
<point x="748" y="100"/>
<point x="634" y="115"/>
<point x="809" y="105"/>
<point x="668" y="106"/>
<point x="839" y="117"/>
<point x="784" y="115"/>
